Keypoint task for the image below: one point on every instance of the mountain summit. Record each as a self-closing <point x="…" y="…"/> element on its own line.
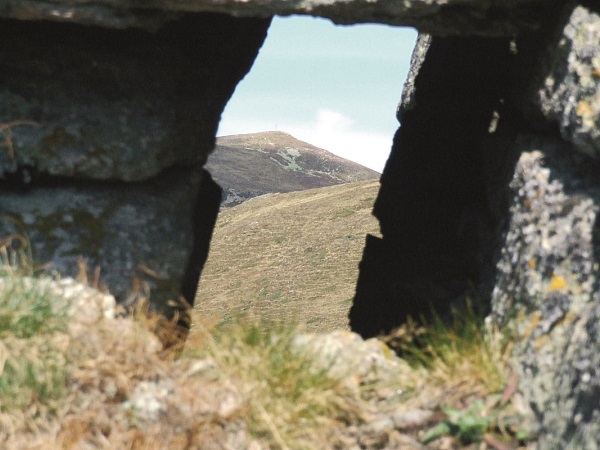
<point x="249" y="165"/>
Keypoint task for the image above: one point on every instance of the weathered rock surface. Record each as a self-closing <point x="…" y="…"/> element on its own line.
<point x="568" y="80"/>
<point x="129" y="230"/>
<point x="102" y="140"/>
<point x="119" y="104"/>
<point x="532" y="249"/>
<point x="504" y="17"/>
<point x="547" y="290"/>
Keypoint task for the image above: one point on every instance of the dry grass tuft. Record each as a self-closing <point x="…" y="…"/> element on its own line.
<point x="70" y="382"/>
<point x="33" y="369"/>
<point x="463" y="356"/>
<point x="98" y="382"/>
<point x="289" y="403"/>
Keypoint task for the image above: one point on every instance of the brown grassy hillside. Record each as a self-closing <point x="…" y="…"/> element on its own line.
<point x="292" y="256"/>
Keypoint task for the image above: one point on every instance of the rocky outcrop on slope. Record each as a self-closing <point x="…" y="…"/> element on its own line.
<point x="250" y="165"/>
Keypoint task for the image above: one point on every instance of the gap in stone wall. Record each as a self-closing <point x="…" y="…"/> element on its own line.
<point x="336" y="87"/>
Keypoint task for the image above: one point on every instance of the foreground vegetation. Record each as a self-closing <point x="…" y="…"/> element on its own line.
<point x="70" y="382"/>
<point x="75" y="373"/>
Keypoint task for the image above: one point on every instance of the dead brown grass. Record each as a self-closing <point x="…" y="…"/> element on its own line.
<point x="239" y="383"/>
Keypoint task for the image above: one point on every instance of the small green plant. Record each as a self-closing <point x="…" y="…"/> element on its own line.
<point x="467" y="425"/>
<point x="28" y="308"/>
<point x="33" y="372"/>
<point x="471" y="363"/>
<point x="488" y="420"/>
<point x="32" y="369"/>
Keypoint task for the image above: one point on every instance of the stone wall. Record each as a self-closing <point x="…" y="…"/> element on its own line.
<point x="105" y="135"/>
<point x="491" y="190"/>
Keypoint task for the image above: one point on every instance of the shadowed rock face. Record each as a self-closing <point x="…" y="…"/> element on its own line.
<point x="105" y="135"/>
<point x="444" y="202"/>
<point x="119" y="104"/>
<point x="432" y="205"/>
<point x="491" y="191"/>
<point x="449" y="17"/>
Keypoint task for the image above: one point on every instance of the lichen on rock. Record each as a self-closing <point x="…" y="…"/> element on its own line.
<point x="547" y="294"/>
<point x="568" y="81"/>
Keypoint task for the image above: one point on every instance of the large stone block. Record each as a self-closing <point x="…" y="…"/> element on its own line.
<point x="130" y="231"/>
<point x="566" y="84"/>
<point x="440" y="17"/>
<point x="103" y="135"/>
<point x="547" y="293"/>
<point x="119" y="104"/>
<point x="434" y="205"/>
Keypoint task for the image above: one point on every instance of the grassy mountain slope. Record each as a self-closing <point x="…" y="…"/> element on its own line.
<point x="290" y="256"/>
<point x="249" y="165"/>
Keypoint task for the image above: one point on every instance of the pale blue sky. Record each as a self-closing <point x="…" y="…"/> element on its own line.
<point x="336" y="87"/>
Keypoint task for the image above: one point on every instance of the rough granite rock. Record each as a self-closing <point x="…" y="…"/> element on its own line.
<point x="94" y="103"/>
<point x="547" y="291"/>
<point x="408" y="100"/>
<point x="567" y="83"/>
<point x="347" y="356"/>
<point x="498" y="18"/>
<point x="130" y="231"/>
<point x="103" y="134"/>
<point x="532" y="246"/>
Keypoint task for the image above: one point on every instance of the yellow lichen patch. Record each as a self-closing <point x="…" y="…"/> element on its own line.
<point x="541" y="342"/>
<point x="584" y="109"/>
<point x="532" y="263"/>
<point x="558" y="283"/>
<point x="532" y="325"/>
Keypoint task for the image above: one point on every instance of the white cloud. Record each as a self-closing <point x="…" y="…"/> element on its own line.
<point x="331" y="121"/>
<point x="330" y="130"/>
